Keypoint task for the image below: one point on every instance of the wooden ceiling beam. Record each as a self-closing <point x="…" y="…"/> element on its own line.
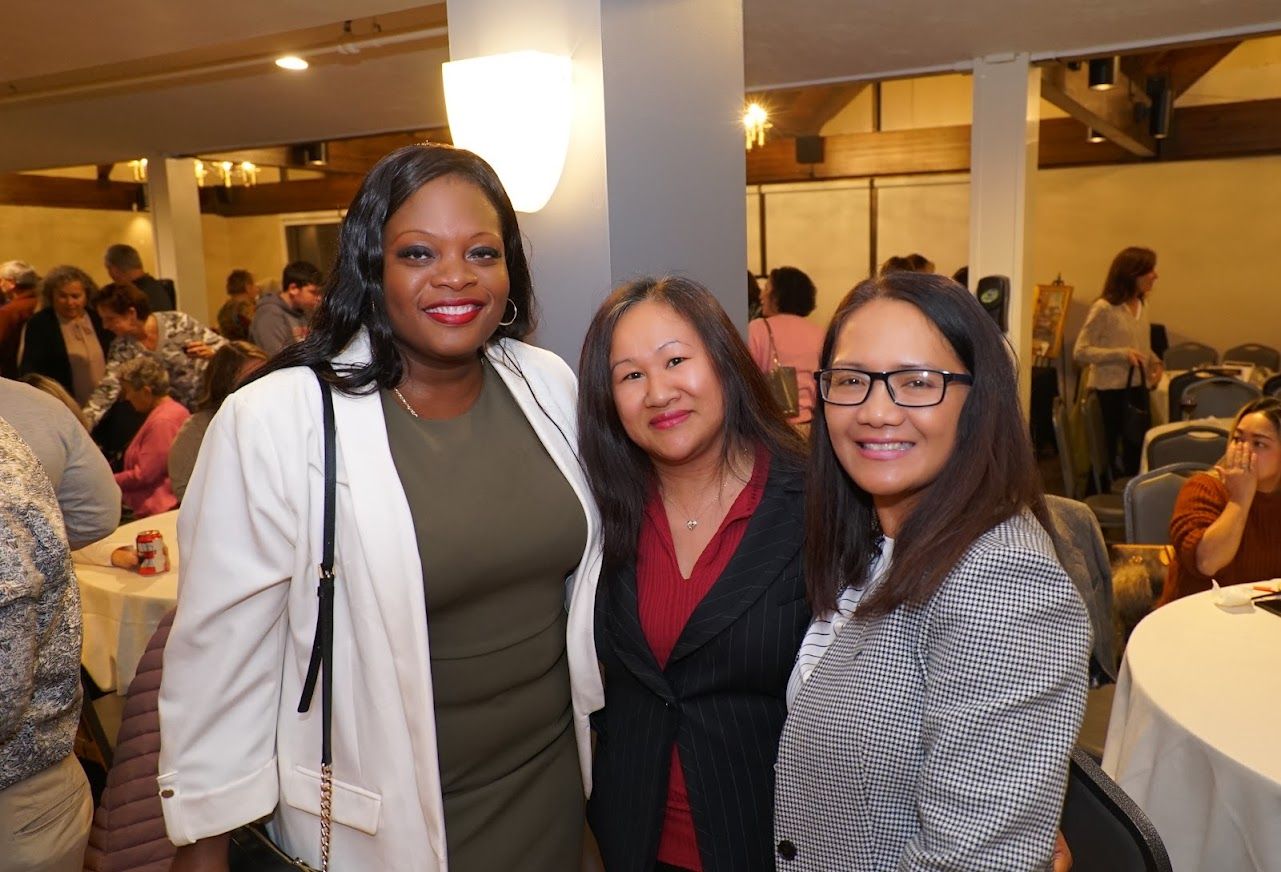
<point x="1110" y="113"/>
<point x="25" y="189"/>
<point x="1181" y="67"/>
<point x="355" y="155"/>
<point x="274" y="198"/>
<point x="803" y="111"/>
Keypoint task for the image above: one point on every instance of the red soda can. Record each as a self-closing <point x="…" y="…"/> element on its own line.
<point x="151" y="552"/>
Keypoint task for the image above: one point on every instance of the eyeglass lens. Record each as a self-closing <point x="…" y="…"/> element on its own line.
<point x="918" y="387"/>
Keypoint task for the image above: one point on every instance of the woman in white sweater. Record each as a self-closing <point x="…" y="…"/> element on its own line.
<point x="1115" y="338"/>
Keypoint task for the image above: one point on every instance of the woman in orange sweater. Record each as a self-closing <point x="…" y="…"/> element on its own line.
<point x="1225" y="521"/>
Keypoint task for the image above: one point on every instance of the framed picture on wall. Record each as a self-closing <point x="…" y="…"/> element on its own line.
<point x="1048" y="315"/>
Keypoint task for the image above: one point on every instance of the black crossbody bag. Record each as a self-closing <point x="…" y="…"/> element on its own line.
<point x="251" y="849"/>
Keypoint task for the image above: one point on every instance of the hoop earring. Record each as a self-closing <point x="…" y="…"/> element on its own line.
<point x="515" y="312"/>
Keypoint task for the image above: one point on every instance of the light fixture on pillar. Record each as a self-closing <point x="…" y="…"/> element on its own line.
<point x="139" y="168"/>
<point x="755" y="123"/>
<point x="1102" y="73"/>
<point x="1162" y="98"/>
<point x="527" y="141"/>
<point x="1092" y="135"/>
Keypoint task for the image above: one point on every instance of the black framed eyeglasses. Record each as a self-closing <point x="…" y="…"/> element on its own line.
<point x="910" y="388"/>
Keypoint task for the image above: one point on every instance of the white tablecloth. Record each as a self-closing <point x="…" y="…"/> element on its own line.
<point x="122" y="608"/>
<point x="1222" y="423"/>
<point x="1194" y="729"/>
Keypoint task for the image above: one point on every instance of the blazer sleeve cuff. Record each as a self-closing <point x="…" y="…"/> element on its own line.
<point x="192" y="815"/>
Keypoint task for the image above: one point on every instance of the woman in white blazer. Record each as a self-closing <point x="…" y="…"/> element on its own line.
<point x="938" y="693"/>
<point x="419" y="335"/>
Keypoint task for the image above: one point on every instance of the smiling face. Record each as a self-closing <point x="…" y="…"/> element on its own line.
<point x="128" y="324"/>
<point x="1259" y="434"/>
<point x="666" y="390"/>
<point x="69" y="300"/>
<point x="444" y="272"/>
<point x="892" y="452"/>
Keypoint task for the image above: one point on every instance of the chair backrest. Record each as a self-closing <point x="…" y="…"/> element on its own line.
<point x="1253" y="352"/>
<point x="1096" y="439"/>
<point x="1189" y="355"/>
<point x="1105" y="830"/>
<point x="1198" y="443"/>
<point x="1179" y="385"/>
<point x="1272" y="387"/>
<point x="1219" y="397"/>
<point x="1149" y="502"/>
<point x="1058" y="415"/>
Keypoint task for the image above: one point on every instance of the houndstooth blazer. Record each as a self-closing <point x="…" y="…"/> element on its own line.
<point x="937" y="737"/>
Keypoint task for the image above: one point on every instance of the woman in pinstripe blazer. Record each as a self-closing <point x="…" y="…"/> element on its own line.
<point x="938" y="694"/>
<point x="701" y="604"/>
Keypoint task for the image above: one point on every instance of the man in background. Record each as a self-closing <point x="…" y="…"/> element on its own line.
<point x="282" y="319"/>
<point x="124" y="264"/>
<point x="18" y="282"/>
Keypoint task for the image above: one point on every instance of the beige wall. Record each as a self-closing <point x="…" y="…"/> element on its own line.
<point x="1211" y="223"/>
<point x="256" y="244"/>
<point x="47" y="237"/>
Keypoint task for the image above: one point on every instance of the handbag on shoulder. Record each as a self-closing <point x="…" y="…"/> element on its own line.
<point x="782" y="380"/>
<point x="251" y="849"/>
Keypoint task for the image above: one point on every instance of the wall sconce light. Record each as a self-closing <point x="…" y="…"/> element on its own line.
<point x="527" y="141"/>
<point x="755" y="123"/>
<point x="1092" y="135"/>
<point x="1102" y="73"/>
<point x="1162" y="107"/>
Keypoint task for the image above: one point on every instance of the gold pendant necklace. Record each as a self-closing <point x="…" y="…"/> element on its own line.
<point x="404" y="402"/>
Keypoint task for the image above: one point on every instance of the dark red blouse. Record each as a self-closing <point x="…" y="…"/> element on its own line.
<point x="665" y="601"/>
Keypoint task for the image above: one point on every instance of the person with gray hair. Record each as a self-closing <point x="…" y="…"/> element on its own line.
<point x="144" y="481"/>
<point x="124" y="264"/>
<point x="18" y="281"/>
<point x="65" y="339"/>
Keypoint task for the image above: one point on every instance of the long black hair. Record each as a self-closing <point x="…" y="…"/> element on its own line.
<point x="620" y="473"/>
<point x="353" y="296"/>
<point x="991" y="475"/>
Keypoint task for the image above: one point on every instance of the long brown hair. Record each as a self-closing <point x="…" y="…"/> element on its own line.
<point x="620" y="473"/>
<point x="1122" y="283"/>
<point x="990" y="476"/>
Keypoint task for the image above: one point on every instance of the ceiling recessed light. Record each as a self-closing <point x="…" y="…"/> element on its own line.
<point x="291" y="62"/>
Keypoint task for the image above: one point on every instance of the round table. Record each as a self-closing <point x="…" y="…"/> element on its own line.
<point x="1193" y="735"/>
<point x="122" y="608"/>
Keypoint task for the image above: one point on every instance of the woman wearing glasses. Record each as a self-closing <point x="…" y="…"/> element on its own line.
<point x="939" y="691"/>
<point x="701" y="606"/>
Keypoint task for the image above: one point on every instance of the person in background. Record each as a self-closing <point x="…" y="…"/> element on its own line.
<point x="940" y="690"/>
<point x="124" y="266"/>
<point x="701" y="605"/>
<point x="229" y="366"/>
<point x="283" y="319"/>
<point x="237" y="313"/>
<point x="45" y="803"/>
<point x="789" y="296"/>
<point x="962" y="277"/>
<point x="920" y="263"/>
<point x="144" y="481"/>
<point x="87" y="492"/>
<point x="14" y="314"/>
<point x="1115" y="340"/>
<point x="1227" y="522"/>
<point x="180" y="342"/>
<point x="753" y="297"/>
<point x="9" y="271"/>
<point x="65" y="340"/>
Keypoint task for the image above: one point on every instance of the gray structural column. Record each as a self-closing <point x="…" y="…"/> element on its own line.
<point x="175" y="220"/>
<point x="1003" y="162"/>
<point x="653" y="182"/>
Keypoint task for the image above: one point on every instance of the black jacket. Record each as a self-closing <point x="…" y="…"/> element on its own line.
<point x="721" y="699"/>
<point x="44" y="350"/>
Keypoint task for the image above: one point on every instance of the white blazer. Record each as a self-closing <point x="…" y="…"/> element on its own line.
<point x="233" y="746"/>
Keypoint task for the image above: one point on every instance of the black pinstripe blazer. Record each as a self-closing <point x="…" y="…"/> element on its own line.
<point x="720" y="699"/>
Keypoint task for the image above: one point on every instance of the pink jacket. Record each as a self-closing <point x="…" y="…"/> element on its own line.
<point x="799" y="342"/>
<point x="144" y="482"/>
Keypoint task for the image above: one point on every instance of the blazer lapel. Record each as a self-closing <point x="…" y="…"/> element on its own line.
<point x="621" y="619"/>
<point x="772" y="539"/>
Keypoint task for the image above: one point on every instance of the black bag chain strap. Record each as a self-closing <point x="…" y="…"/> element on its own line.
<point x="322" y="648"/>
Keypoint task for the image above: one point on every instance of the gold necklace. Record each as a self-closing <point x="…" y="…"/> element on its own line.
<point x="692" y="522"/>
<point x="404" y="402"/>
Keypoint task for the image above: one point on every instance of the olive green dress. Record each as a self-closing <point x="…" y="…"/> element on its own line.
<point x="498" y="530"/>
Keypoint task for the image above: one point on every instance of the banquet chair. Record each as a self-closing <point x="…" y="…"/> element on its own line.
<point x="1105" y="830"/>
<point x="1253" y="352"/>
<point x="1149" y="502"/>
<point x="1219" y="397"/>
<point x="1272" y="387"/>
<point x="1189" y="355"/>
<point x="1107" y="508"/>
<point x="1199" y="443"/>
<point x="1178" y="385"/>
